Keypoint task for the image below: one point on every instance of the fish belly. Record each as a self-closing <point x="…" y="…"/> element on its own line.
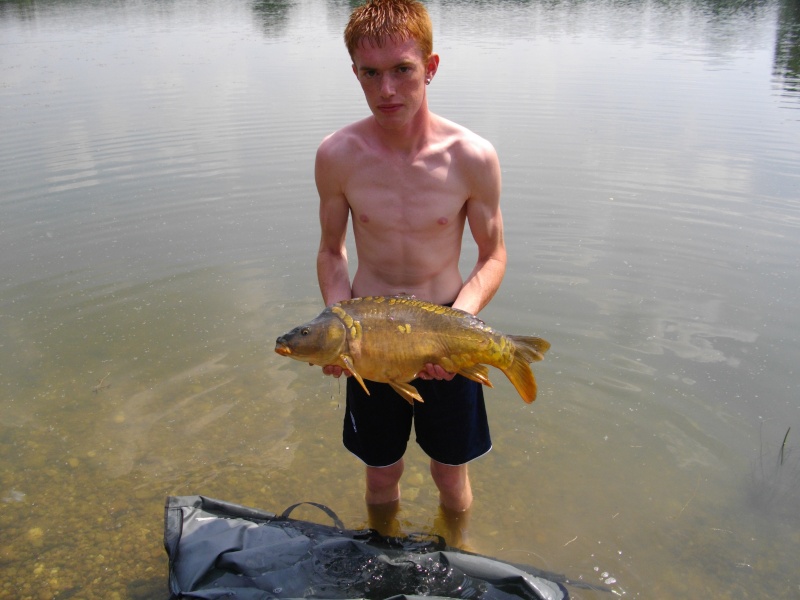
<point x="394" y="358"/>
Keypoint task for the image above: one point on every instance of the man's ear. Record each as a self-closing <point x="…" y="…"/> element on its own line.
<point x="432" y="66"/>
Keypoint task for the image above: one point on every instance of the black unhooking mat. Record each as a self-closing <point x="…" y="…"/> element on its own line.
<point x="221" y="550"/>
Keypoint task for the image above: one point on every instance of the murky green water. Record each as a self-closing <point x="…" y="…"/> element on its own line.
<point x="158" y="231"/>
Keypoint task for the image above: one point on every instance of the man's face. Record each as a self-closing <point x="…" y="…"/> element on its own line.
<point x="393" y="79"/>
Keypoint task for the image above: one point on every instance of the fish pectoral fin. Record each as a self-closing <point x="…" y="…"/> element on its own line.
<point x="348" y="362"/>
<point x="407" y="391"/>
<point x="479" y="373"/>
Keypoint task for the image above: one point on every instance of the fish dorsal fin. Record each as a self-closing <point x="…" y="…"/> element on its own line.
<point x="348" y="362"/>
<point x="407" y="391"/>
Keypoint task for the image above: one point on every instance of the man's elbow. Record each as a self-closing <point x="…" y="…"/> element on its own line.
<point x="497" y="259"/>
<point x="327" y="253"/>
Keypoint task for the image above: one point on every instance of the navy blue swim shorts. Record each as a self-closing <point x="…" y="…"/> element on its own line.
<point x="451" y="425"/>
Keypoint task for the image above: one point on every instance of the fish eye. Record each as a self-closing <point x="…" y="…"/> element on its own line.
<point x="305" y="331"/>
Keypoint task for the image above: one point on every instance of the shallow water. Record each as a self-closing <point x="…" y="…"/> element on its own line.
<point x="158" y="227"/>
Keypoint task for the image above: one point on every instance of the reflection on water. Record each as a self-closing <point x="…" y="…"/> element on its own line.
<point x="787" y="47"/>
<point x="273" y="15"/>
<point x="158" y="230"/>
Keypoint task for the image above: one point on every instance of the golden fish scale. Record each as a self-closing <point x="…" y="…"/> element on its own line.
<point x="395" y="326"/>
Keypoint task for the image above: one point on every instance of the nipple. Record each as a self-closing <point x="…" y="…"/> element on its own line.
<point x="442" y="221"/>
<point x="363" y="218"/>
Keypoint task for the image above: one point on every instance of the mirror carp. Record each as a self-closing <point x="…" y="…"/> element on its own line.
<point x="389" y="339"/>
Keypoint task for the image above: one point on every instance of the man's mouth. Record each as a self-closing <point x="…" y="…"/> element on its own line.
<point x="389" y="108"/>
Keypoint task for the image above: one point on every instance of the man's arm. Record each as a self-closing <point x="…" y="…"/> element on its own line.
<point x="332" y="269"/>
<point x="486" y="225"/>
<point x="334" y="211"/>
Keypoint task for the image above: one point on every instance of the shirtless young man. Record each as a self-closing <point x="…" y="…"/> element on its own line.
<point x="410" y="180"/>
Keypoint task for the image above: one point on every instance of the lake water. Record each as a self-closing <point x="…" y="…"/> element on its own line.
<point x="158" y="230"/>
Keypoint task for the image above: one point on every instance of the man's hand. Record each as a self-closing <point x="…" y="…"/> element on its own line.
<point x="335" y="371"/>
<point x="432" y="371"/>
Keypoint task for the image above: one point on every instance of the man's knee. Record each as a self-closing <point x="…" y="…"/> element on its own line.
<point x="455" y="492"/>
<point x="449" y="477"/>
<point x="382" y="478"/>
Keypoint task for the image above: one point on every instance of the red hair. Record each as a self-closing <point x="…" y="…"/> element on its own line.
<point x="399" y="20"/>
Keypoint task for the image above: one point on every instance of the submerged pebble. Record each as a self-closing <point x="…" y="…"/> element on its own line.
<point x="13" y="496"/>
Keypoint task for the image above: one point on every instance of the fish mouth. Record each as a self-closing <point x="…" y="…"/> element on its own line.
<point x="282" y="349"/>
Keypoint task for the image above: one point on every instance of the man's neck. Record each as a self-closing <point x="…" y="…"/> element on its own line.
<point x="409" y="140"/>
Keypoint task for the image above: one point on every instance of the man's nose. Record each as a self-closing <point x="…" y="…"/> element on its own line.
<point x="387" y="86"/>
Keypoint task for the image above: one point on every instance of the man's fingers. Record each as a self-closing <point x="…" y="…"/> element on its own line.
<point x="335" y="371"/>
<point x="432" y="371"/>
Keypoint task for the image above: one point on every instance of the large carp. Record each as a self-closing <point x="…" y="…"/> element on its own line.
<point x="390" y="339"/>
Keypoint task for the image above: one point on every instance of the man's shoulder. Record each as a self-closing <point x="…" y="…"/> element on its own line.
<point x="345" y="140"/>
<point x="464" y="142"/>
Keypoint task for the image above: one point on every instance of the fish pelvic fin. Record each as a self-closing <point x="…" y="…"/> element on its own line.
<point x="348" y="362"/>
<point x="479" y="373"/>
<point x="530" y="348"/>
<point x="407" y="391"/>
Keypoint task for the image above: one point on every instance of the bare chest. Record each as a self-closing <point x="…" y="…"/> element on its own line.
<point x="415" y="196"/>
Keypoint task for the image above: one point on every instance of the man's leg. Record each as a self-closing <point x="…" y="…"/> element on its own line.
<point x="453" y="526"/>
<point x="455" y="492"/>
<point x="383" y="518"/>
<point x="383" y="483"/>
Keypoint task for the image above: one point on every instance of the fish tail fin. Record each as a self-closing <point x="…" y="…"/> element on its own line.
<point x="531" y="348"/>
<point x="527" y="350"/>
<point x="520" y="374"/>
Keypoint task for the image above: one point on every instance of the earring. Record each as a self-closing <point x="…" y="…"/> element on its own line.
<point x="427" y="81"/>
